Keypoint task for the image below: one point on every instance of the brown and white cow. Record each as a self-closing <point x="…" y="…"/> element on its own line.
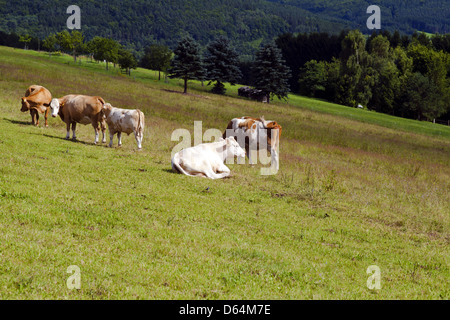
<point x="37" y="100"/>
<point x="82" y="109"/>
<point x="256" y="134"/>
<point x="124" y="120"/>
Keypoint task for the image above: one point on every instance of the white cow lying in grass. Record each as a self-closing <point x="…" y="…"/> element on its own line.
<point x="207" y="159"/>
<point x="124" y="120"/>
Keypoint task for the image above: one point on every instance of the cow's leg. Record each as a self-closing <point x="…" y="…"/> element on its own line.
<point x="111" y="137"/>
<point x="103" y="126"/>
<point x="68" y="130"/>
<point x="33" y="121"/>
<point x="74" y="127"/>
<point x="96" y="126"/>
<point x="210" y="172"/>
<point x="119" y="137"/>
<point x="275" y="159"/>
<point x="138" y="136"/>
<point x="252" y="156"/>
<point x="223" y="172"/>
<point x="46" y="116"/>
<point x="34" y="117"/>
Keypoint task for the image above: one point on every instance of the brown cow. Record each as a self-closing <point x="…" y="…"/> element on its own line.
<point x="37" y="99"/>
<point x="82" y="109"/>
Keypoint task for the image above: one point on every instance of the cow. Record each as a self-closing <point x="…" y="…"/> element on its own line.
<point x="207" y="159"/>
<point x="255" y="134"/>
<point x="124" y="120"/>
<point x="36" y="100"/>
<point x="74" y="109"/>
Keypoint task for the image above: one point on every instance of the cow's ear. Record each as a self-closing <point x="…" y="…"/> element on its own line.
<point x="230" y="140"/>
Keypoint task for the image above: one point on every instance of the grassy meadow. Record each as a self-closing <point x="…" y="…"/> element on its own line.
<point x="355" y="189"/>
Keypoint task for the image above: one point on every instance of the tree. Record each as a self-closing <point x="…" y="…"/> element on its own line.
<point x="49" y="43"/>
<point x="357" y="72"/>
<point x="422" y="97"/>
<point x="157" y="57"/>
<point x="435" y="66"/>
<point x="187" y="63"/>
<point x="71" y="42"/>
<point x="387" y="83"/>
<point x="353" y="45"/>
<point x="127" y="60"/>
<point x="271" y="73"/>
<point x="221" y="63"/>
<point x="441" y="42"/>
<point x="104" y="49"/>
<point x="26" y="39"/>
<point x="313" y="78"/>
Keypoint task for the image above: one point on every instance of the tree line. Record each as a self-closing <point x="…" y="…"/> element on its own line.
<point x="393" y="74"/>
<point x="406" y="76"/>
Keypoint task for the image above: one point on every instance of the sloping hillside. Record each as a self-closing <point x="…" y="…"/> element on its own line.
<point x="349" y="194"/>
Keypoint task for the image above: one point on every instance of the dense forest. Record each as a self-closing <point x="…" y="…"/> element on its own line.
<point x="393" y="74"/>
<point x="406" y="16"/>
<point x="139" y="23"/>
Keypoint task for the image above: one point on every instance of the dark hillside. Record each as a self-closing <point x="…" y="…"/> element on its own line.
<point x="138" y="23"/>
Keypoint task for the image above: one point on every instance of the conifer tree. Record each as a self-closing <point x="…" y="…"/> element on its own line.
<point x="221" y="64"/>
<point x="187" y="63"/>
<point x="271" y="73"/>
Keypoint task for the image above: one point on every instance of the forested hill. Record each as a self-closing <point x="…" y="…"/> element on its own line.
<point x="407" y="16"/>
<point x="137" y="23"/>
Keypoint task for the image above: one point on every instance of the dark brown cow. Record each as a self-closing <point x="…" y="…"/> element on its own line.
<point x="37" y="100"/>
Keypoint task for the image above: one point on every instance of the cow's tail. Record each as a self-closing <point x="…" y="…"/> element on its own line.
<point x="230" y="126"/>
<point x="141" y="122"/>
<point x="176" y="165"/>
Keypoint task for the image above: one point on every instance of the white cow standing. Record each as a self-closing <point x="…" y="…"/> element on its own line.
<point x="207" y="159"/>
<point x="124" y="120"/>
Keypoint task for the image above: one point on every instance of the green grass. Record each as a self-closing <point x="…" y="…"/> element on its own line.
<point x="355" y="189"/>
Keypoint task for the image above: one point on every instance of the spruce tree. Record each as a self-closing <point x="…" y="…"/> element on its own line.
<point x="271" y="73"/>
<point x="221" y="62"/>
<point x="187" y="63"/>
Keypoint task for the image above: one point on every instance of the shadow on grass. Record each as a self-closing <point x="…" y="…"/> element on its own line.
<point x="71" y="140"/>
<point x="174" y="172"/>
<point x="23" y="123"/>
<point x="169" y="171"/>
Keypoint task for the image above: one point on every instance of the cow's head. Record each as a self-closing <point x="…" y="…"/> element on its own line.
<point x="55" y="106"/>
<point x="233" y="149"/>
<point x="106" y="110"/>
<point x="25" y="105"/>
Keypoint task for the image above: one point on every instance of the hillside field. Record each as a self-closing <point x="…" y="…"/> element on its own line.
<point x="355" y="189"/>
